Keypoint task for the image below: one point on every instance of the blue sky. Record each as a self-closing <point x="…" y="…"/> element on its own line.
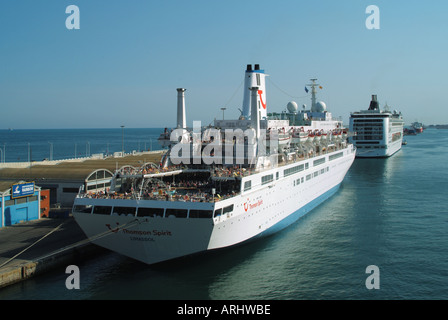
<point x="123" y="65"/>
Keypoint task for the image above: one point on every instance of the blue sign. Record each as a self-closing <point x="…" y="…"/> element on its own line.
<point x="22" y="190"/>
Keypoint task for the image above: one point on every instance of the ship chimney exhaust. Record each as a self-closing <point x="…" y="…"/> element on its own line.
<point x="254" y="78"/>
<point x="374" y="103"/>
<point x="181" y="116"/>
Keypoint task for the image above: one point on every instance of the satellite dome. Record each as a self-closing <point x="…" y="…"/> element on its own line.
<point x="320" y="106"/>
<point x="292" y="107"/>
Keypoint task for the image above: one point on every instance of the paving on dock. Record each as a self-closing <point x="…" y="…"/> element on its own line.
<point x="33" y="247"/>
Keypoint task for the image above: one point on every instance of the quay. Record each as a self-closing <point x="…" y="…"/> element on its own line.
<point x="34" y="247"/>
<point x="30" y="248"/>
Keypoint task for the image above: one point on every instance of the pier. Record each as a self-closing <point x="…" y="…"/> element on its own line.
<point x="64" y="177"/>
<point x="33" y="247"/>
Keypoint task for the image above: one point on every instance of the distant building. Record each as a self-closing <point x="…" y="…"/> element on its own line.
<point x="19" y="202"/>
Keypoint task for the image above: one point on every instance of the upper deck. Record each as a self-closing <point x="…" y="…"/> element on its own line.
<point x="206" y="184"/>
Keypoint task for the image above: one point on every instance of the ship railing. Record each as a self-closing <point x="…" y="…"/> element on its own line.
<point x="163" y="196"/>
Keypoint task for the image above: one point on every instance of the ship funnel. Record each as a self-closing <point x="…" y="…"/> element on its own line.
<point x="254" y="77"/>
<point x="181" y="116"/>
<point x="374" y="103"/>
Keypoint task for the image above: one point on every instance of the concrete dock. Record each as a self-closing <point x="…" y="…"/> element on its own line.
<point x="31" y="248"/>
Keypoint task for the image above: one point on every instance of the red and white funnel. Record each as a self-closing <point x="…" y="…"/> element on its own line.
<point x="254" y="78"/>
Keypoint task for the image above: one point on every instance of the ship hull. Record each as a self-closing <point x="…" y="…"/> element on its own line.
<point x="385" y="152"/>
<point x="255" y="213"/>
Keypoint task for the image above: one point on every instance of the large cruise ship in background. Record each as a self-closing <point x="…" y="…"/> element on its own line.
<point x="238" y="180"/>
<point x="375" y="132"/>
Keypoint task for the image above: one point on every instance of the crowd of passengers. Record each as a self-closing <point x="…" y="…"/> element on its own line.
<point x="180" y="190"/>
<point x="218" y="170"/>
<point x="165" y="195"/>
<point x="146" y="170"/>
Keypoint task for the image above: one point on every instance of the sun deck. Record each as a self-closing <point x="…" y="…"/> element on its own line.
<point x="186" y="184"/>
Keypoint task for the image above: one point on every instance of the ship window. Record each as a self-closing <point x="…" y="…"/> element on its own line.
<point x="227" y="209"/>
<point x="318" y="161"/>
<point x="150" y="212"/>
<point x="308" y="177"/>
<point x="218" y="212"/>
<point x="335" y="156"/>
<point x="176" y="213"/>
<point x="124" y="210"/>
<point x="247" y="185"/>
<point x="83" y="208"/>
<point x="201" y="213"/>
<point x="102" y="209"/>
<point x="306" y="165"/>
<point x="266" y="179"/>
<point x="290" y="171"/>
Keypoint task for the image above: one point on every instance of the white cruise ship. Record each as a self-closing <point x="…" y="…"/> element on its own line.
<point x="375" y="132"/>
<point x="236" y="181"/>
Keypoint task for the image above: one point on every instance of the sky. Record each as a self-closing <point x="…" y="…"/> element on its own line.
<point x="124" y="63"/>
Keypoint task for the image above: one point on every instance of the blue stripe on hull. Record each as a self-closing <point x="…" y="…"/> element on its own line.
<point x="293" y="217"/>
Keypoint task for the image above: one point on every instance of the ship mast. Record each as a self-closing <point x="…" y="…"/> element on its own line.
<point x="313" y="86"/>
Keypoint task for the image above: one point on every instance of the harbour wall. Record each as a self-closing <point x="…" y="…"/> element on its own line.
<point x="28" y="269"/>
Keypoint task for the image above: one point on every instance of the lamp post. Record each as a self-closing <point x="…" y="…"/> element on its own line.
<point x="87" y="149"/>
<point x="51" y="150"/>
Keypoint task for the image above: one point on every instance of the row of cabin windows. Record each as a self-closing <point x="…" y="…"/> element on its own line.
<point x="311" y="175"/>
<point x="318" y="161"/>
<point x="290" y="171"/>
<point x="316" y="173"/>
<point x="335" y="156"/>
<point x="267" y="178"/>
<point x="152" y="212"/>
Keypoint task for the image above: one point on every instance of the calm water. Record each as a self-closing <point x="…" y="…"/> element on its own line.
<point x="390" y="213"/>
<point x="56" y="144"/>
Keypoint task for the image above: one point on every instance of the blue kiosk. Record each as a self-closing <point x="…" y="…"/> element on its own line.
<point x="20" y="202"/>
